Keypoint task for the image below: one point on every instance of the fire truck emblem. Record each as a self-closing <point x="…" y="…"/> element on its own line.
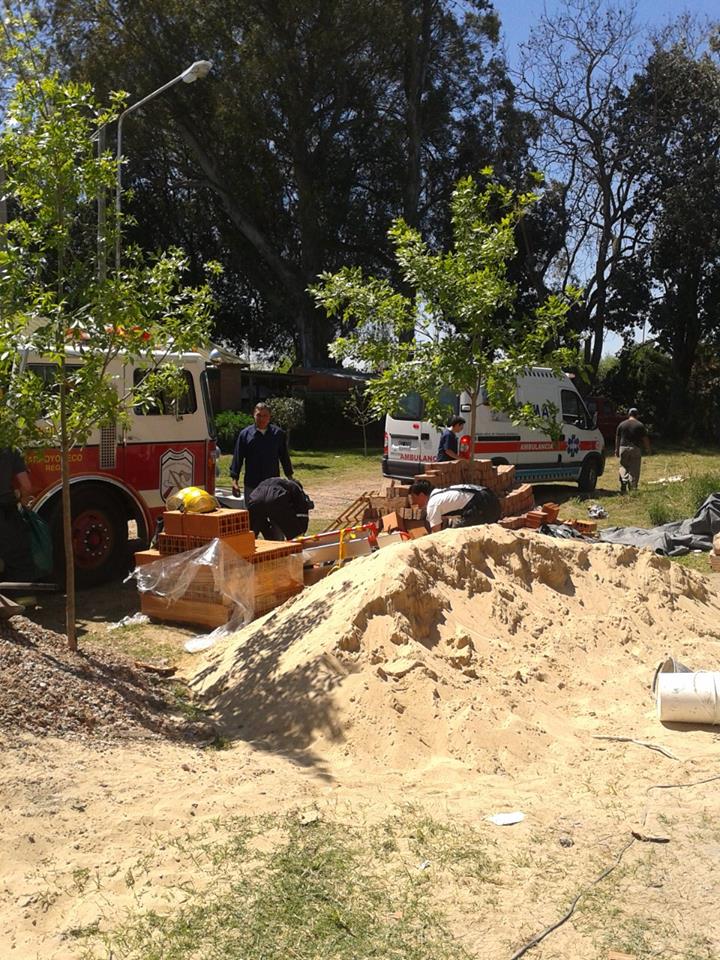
<point x="573" y="445"/>
<point x="176" y="471"/>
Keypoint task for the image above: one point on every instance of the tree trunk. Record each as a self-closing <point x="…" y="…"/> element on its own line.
<point x="364" y="430"/>
<point x="67" y="517"/>
<point x="684" y="350"/>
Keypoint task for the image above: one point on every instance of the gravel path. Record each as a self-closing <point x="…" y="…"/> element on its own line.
<point x="46" y="689"/>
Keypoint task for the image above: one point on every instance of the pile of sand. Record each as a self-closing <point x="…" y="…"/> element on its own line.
<point x="483" y="647"/>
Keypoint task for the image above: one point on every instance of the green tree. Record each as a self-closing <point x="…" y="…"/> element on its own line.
<point x="287" y="412"/>
<point x="321" y="123"/>
<point x="671" y="128"/>
<point x="464" y="331"/>
<point x="52" y="303"/>
<point x="638" y="377"/>
<point x="359" y="410"/>
<point x="575" y="69"/>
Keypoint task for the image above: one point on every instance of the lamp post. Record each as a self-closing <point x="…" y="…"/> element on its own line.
<point x="196" y="71"/>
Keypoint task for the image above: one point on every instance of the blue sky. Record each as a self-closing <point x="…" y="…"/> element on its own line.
<point x="518" y="16"/>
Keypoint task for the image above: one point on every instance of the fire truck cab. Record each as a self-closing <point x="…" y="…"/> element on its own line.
<point x="125" y="474"/>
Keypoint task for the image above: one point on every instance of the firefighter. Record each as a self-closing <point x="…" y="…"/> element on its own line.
<point x="262" y="448"/>
<point x="16" y="561"/>
<point x="279" y="509"/>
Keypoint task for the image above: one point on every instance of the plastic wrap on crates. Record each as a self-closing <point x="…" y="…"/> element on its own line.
<point x="213" y="573"/>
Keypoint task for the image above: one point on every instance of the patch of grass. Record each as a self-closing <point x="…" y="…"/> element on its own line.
<point x="700" y="486"/>
<point x="660" y="512"/>
<point x="319" y="893"/>
<point x="654" y="503"/>
<point x="318" y="466"/>
<point x="185" y="703"/>
<point x="140" y="643"/>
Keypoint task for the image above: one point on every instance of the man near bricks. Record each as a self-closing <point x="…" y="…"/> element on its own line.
<point x="448" y="448"/>
<point x="465" y="505"/>
<point x="279" y="509"/>
<point x="261" y="447"/>
<point x="630" y="440"/>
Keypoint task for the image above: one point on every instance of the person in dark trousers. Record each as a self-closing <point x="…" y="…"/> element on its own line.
<point x="16" y="561"/>
<point x="448" y="449"/>
<point x="262" y="448"/>
<point x="279" y="509"/>
<point x="631" y="439"/>
<point x="472" y="504"/>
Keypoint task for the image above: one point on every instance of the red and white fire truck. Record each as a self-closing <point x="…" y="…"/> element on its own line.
<point x="126" y="474"/>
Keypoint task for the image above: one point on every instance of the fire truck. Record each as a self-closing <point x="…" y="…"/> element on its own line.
<point x="125" y="474"/>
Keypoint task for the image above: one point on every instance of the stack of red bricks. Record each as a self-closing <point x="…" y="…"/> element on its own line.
<point x="394" y="510"/>
<point x="275" y="576"/>
<point x="547" y="513"/>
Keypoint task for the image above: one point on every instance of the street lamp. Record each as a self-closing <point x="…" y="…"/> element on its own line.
<point x="196" y="71"/>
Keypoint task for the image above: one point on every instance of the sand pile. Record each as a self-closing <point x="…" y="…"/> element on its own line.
<point x="489" y="648"/>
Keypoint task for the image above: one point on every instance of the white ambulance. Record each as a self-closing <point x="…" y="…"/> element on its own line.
<point x="411" y="442"/>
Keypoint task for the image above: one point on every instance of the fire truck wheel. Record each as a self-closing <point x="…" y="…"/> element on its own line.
<point x="99" y="533"/>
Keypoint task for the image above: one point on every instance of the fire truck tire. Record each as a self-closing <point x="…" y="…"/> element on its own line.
<point x="99" y="530"/>
<point x="587" y="481"/>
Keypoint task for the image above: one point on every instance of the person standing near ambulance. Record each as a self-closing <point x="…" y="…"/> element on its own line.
<point x="448" y="448"/>
<point x="262" y="448"/>
<point x="631" y="439"/>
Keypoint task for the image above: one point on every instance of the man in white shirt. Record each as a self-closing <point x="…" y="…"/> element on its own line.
<point x="471" y="504"/>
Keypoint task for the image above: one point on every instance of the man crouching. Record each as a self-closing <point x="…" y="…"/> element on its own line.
<point x="463" y="505"/>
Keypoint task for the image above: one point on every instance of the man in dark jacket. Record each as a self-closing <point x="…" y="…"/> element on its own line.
<point x="262" y="447"/>
<point x="279" y="509"/>
<point x="16" y="561"/>
<point x="448" y="447"/>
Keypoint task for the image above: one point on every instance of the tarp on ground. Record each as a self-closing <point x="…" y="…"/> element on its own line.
<point x="673" y="539"/>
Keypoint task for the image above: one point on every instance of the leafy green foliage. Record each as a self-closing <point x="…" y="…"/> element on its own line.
<point x="638" y="377"/>
<point x="670" y="124"/>
<point x="228" y="424"/>
<point x="287" y="412"/>
<point x="323" y="122"/>
<point x="454" y="324"/>
<point x="358" y="408"/>
<point x="56" y="304"/>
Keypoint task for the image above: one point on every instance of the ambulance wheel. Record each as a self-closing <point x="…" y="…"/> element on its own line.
<point x="99" y="535"/>
<point x="587" y="481"/>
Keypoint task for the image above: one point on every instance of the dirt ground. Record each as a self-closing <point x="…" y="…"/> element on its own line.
<point x="395" y="688"/>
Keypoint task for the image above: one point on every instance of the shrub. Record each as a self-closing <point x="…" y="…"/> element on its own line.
<point x="699" y="488"/>
<point x="659" y="513"/>
<point x="228" y="424"/>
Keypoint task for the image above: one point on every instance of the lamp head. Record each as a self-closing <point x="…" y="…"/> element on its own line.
<point x="197" y="71"/>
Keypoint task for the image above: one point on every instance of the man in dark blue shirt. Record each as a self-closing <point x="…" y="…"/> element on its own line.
<point x="448" y="449"/>
<point x="262" y="448"/>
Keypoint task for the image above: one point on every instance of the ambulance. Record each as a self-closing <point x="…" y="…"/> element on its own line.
<point x="125" y="474"/>
<point x="411" y="442"/>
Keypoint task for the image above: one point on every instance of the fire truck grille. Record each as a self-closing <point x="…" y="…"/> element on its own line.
<point x="108" y="447"/>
